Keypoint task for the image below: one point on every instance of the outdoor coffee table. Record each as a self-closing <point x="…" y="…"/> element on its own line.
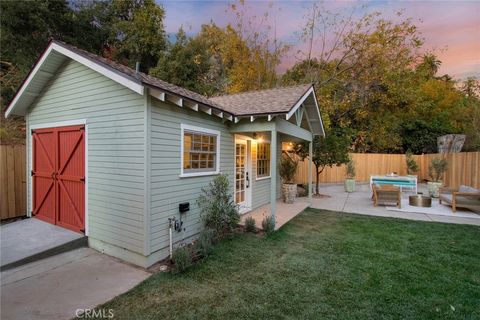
<point x="420" y="201"/>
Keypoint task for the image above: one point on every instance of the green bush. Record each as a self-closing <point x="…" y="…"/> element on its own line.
<point x="250" y="224"/>
<point x="268" y="225"/>
<point x="205" y="242"/>
<point x="218" y="210"/>
<point x="181" y="259"/>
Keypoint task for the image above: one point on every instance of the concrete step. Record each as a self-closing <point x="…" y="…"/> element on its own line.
<point x="61" y="248"/>
<point x="31" y="239"/>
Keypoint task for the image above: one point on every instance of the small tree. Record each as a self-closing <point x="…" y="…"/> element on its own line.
<point x="288" y="168"/>
<point x="218" y="210"/>
<point x="437" y="168"/>
<point x="328" y="151"/>
<point x="350" y="168"/>
<point x="412" y="165"/>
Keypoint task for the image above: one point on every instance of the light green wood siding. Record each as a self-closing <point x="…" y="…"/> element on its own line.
<point x="167" y="188"/>
<point x="115" y="118"/>
<point x="260" y="188"/>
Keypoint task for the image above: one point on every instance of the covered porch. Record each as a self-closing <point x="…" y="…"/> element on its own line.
<point x="263" y="194"/>
<point x="263" y="120"/>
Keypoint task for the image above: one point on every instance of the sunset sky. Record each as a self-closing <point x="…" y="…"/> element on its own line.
<point x="450" y="27"/>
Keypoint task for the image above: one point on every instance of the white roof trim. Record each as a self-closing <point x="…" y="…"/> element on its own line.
<point x="135" y="86"/>
<point x="318" y="110"/>
<point x="299" y="103"/>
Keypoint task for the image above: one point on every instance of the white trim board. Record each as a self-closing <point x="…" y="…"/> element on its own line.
<point x="29" y="162"/>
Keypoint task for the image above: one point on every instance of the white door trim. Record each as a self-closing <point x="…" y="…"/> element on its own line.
<point x="29" y="161"/>
<point x="245" y="206"/>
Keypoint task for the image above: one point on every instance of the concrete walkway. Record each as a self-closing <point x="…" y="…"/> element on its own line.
<point x="29" y="237"/>
<point x="58" y="286"/>
<point x="360" y="202"/>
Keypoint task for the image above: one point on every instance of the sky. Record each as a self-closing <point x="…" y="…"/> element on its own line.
<point x="451" y="28"/>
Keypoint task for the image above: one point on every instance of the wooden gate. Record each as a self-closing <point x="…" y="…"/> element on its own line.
<point x="58" y="176"/>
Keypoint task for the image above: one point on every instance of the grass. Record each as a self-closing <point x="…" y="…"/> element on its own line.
<point x="324" y="265"/>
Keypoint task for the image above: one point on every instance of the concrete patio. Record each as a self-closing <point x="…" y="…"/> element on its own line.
<point x="360" y="202"/>
<point x="30" y="239"/>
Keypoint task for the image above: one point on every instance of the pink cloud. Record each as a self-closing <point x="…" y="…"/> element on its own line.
<point x="451" y="25"/>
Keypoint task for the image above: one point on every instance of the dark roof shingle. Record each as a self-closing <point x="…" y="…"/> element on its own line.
<point x="277" y="100"/>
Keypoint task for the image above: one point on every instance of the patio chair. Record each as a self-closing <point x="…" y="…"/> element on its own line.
<point x="465" y="197"/>
<point x="387" y="194"/>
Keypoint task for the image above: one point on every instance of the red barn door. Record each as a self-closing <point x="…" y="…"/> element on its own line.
<point x="59" y="176"/>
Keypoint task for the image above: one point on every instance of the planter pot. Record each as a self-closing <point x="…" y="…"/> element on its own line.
<point x="433" y="188"/>
<point x="289" y="192"/>
<point x="349" y="185"/>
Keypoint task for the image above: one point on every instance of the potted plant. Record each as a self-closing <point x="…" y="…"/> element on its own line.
<point x="350" y="180"/>
<point x="436" y="170"/>
<point x="412" y="166"/>
<point x="288" y="168"/>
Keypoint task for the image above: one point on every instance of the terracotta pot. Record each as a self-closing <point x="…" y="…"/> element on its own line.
<point x="289" y="192"/>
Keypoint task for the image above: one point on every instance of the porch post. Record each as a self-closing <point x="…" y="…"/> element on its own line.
<point x="273" y="173"/>
<point x="310" y="160"/>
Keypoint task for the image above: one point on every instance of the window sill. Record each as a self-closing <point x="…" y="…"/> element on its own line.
<point x="199" y="174"/>
<point x="263" y="178"/>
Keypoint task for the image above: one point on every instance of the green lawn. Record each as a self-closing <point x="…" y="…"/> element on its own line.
<point x="324" y="265"/>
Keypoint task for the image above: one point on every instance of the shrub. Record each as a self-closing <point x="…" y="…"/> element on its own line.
<point x="218" y="210"/>
<point x="205" y="242"/>
<point x="250" y="224"/>
<point x="288" y="168"/>
<point x="268" y="225"/>
<point x="181" y="259"/>
<point x="412" y="165"/>
<point x="437" y="169"/>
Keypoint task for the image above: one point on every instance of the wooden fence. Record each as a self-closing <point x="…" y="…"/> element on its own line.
<point x="463" y="168"/>
<point x="12" y="181"/>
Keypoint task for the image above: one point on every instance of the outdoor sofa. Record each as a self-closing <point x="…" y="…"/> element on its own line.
<point x="465" y="197"/>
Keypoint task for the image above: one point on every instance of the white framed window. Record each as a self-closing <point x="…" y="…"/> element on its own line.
<point x="200" y="151"/>
<point x="263" y="160"/>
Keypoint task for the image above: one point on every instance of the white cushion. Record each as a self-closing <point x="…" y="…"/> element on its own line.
<point x="468" y="189"/>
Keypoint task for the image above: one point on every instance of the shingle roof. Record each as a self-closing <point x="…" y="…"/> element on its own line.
<point x="277" y="100"/>
<point x="269" y="101"/>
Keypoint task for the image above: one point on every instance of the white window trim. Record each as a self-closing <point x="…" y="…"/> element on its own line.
<point x="200" y="130"/>
<point x="256" y="163"/>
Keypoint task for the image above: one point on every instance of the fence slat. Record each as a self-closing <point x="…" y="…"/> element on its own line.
<point x="463" y="168"/>
<point x="12" y="181"/>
